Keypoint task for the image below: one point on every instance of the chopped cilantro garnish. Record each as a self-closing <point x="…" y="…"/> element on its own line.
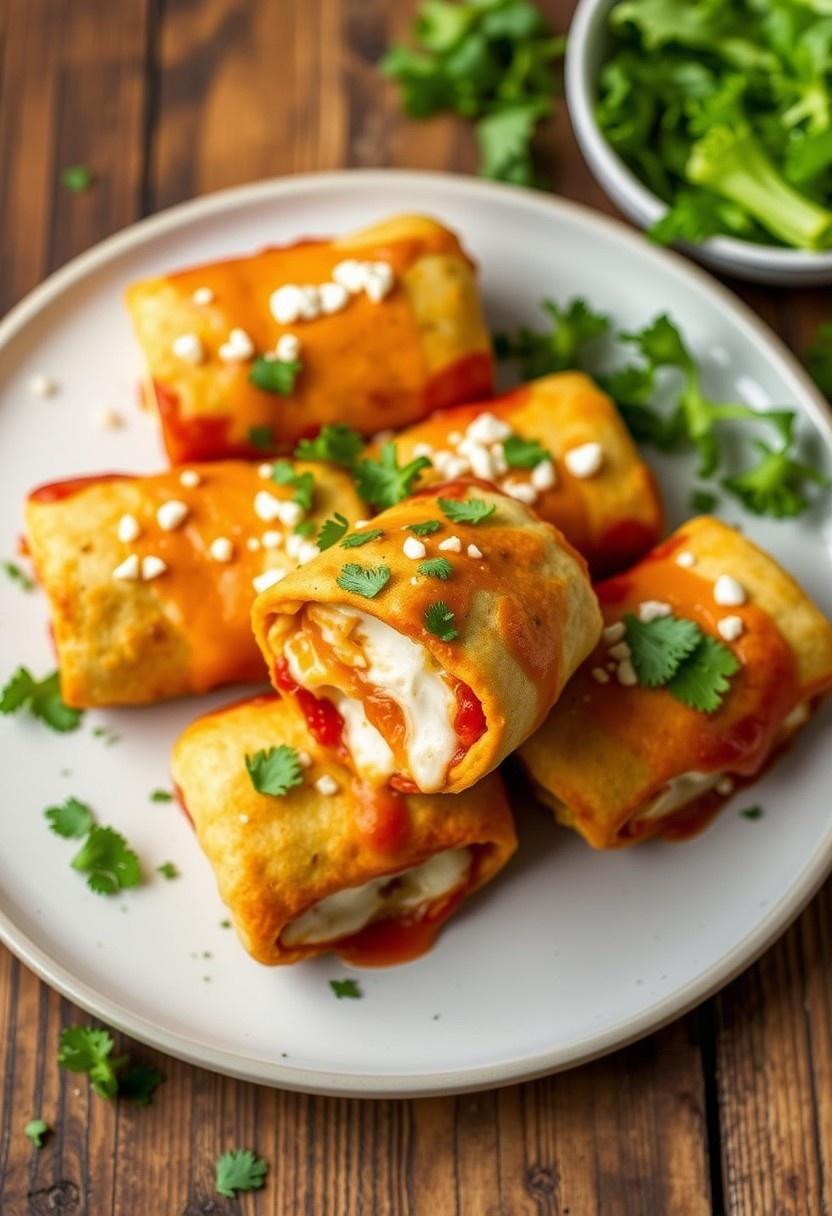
<point x="366" y="581"/>
<point x="239" y="1170"/>
<point x="161" y="796"/>
<point x="426" y="528"/>
<point x="703" y="500"/>
<point x="335" y="443"/>
<point x="357" y="539"/>
<point x="275" y="771"/>
<point x="523" y="453"/>
<point x="19" y="576"/>
<point x="305" y="528"/>
<point x="261" y="437"/>
<point x="774" y="486"/>
<point x="436" y="567"/>
<point x="168" y="870"/>
<point x="109" y="864"/>
<point x="346" y="989"/>
<point x="752" y="812"/>
<point x="275" y="375"/>
<point x="659" y="646"/>
<point x="42" y="698"/>
<point x="383" y="482"/>
<point x="77" y="178"/>
<point x="35" y="1130"/>
<point x="89" y="1049"/>
<point x="466" y="511"/>
<point x="72" y="820"/>
<point x="303" y="484"/>
<point x="701" y="682"/>
<point x="573" y="326"/>
<point x="225" y="924"/>
<point x="332" y="531"/>
<point x="440" y="621"/>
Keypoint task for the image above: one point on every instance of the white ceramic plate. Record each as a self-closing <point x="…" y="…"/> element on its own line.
<point x="570" y="953"/>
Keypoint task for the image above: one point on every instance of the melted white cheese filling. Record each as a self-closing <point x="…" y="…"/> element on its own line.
<point x="345" y="912"/>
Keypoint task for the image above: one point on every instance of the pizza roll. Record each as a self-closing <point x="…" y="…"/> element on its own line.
<point x="431" y="652"/>
<point x="373" y="330"/>
<point x="150" y="580"/>
<point x="330" y="864"/>
<point x="619" y="761"/>
<point x="557" y="444"/>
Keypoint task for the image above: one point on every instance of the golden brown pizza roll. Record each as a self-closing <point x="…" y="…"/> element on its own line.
<point x="373" y="330"/>
<point x="151" y="580"/>
<point x="620" y="761"/>
<point x="557" y="444"/>
<point x="433" y="650"/>
<point x="330" y="864"/>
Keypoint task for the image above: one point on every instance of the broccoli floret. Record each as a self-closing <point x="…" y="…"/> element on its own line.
<point x="731" y="162"/>
<point x="774" y="486"/>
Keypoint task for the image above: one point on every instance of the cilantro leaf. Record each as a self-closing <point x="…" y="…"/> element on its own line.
<point x="35" y="1130"/>
<point x="436" y="567"/>
<point x="440" y="620"/>
<point x="335" y="443"/>
<point x="42" y="698"/>
<point x="819" y="359"/>
<point x="573" y="326"/>
<point x="108" y="862"/>
<point x="168" y="870"/>
<point x="701" y="682"/>
<point x="239" y="1170"/>
<point x="261" y="437"/>
<point x="161" y="796"/>
<point x="659" y="646"/>
<point x="331" y="531"/>
<point x="504" y="140"/>
<point x="774" y="486"/>
<point x="752" y="812"/>
<point x="19" y="576"/>
<point x="77" y="178"/>
<point x="703" y="501"/>
<point x="383" y="482"/>
<point x="305" y="528"/>
<point x="357" y="539"/>
<point x="89" y="1049"/>
<point x="139" y="1083"/>
<point x="523" y="453"/>
<point x="466" y="511"/>
<point x="303" y="484"/>
<point x="366" y="581"/>
<point x="72" y="820"/>
<point x="275" y="375"/>
<point x="275" y="771"/>
<point x="346" y="989"/>
<point x="426" y="528"/>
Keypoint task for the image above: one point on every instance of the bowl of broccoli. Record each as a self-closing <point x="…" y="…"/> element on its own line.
<point x="709" y="123"/>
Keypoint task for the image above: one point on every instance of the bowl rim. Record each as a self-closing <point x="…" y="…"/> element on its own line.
<point x="613" y="173"/>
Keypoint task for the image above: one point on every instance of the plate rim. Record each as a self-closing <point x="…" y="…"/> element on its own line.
<point x="332" y="1082"/>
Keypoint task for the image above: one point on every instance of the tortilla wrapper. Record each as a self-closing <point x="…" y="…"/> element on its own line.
<point x="275" y="857"/>
<point x="372" y="364"/>
<point x="611" y="517"/>
<point x="619" y="763"/>
<point x="127" y="641"/>
<point x="525" y="615"/>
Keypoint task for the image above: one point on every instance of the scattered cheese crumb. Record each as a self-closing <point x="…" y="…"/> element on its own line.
<point x="203" y="295"/>
<point x="42" y="386"/>
<point x="307" y="551"/>
<point x="252" y="544"/>
<point x="333" y="297"/>
<point x="327" y="785"/>
<point x="479" y="459"/>
<point x="152" y="567"/>
<point x="614" y="633"/>
<point x="287" y="348"/>
<point x="268" y="578"/>
<point x="189" y="348"/>
<point x="378" y="282"/>
<point x="304" y="759"/>
<point x="190" y="478"/>
<point x="129" y="568"/>
<point x="730" y="628"/>
<point x="423" y="449"/>
<point x="272" y="540"/>
<point x="488" y="428"/>
<point x="413" y="548"/>
<point x="523" y="491"/>
<point x="626" y="673"/>
<point x="108" y="420"/>
<point x="585" y="460"/>
<point x="237" y="347"/>
<point x="286" y="303"/>
<point x="244" y="819"/>
<point x="264" y="470"/>
<point x="266" y="506"/>
<point x="128" y="529"/>
<point x="452" y="544"/>
<point x="685" y="559"/>
<point x="725" y="786"/>
<point x="728" y="592"/>
<point x="351" y="275"/>
<point x="474" y="551"/>
<point x="600" y="676"/>
<point x="620" y="651"/>
<point x="221" y="549"/>
<point x="172" y="514"/>
<point x="653" y="610"/>
<point x="361" y="523"/>
<point x="544" y="476"/>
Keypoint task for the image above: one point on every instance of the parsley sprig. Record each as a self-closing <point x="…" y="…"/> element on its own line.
<point x="384" y="482"/>
<point x="89" y="1049"/>
<point x="105" y="857"/>
<point x="239" y="1170"/>
<point x="523" y="453"/>
<point x="275" y="375"/>
<point x="365" y="581"/>
<point x="675" y="654"/>
<point x="42" y="698"/>
<point x="335" y="443"/>
<point x="466" y="510"/>
<point x="275" y="771"/>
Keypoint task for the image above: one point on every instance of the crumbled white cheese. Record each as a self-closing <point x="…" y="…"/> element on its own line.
<point x="269" y="508"/>
<point x="474" y="551"/>
<point x="351" y="275"/>
<point x="379" y="281"/>
<point x="413" y="548"/>
<point x="361" y="523"/>
<point x="128" y="529"/>
<point x="286" y="303"/>
<point x="252" y="544"/>
<point x="190" y="478"/>
<point x="626" y="673"/>
<point x="498" y="459"/>
<point x="451" y="544"/>
<point x="728" y="592"/>
<point x="653" y="610"/>
<point x="203" y="295"/>
<point x="128" y="570"/>
<point x="685" y="559"/>
<point x="327" y="785"/>
<point x="487" y="428"/>
<point x="189" y="348"/>
<point x="304" y="759"/>
<point x="221" y="549"/>
<point x="42" y="386"/>
<point x="614" y="633"/>
<point x="237" y="347"/>
<point x="264" y="470"/>
<point x="455" y="466"/>
<point x="272" y="539"/>
<point x="730" y="628"/>
<point x="479" y="458"/>
<point x="544" y="476"/>
<point x="152" y="567"/>
<point x="307" y="551"/>
<point x="600" y="676"/>
<point x="172" y="514"/>
<point x="585" y="460"/>
<point x="620" y="651"/>
<point x="523" y="491"/>
<point x="310" y="306"/>
<point x="287" y="348"/>
<point x="262" y="582"/>
<point x="333" y="297"/>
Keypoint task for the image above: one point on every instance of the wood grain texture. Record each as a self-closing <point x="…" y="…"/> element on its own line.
<point x="730" y="1108"/>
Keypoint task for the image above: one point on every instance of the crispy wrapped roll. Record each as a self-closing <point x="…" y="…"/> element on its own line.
<point x="331" y="865"/>
<point x="584" y="473"/>
<point x="621" y="762"/>
<point x="396" y="332"/>
<point x="151" y="580"/>
<point x="428" y="659"/>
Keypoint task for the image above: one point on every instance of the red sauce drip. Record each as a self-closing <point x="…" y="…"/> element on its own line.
<point x="198" y="438"/>
<point x="56" y="491"/>
<point x="390" y="942"/>
<point x="469" y="723"/>
<point x="382" y="818"/>
<point x="323" y="719"/>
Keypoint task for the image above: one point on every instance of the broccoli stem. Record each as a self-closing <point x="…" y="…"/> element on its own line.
<point x="732" y="163"/>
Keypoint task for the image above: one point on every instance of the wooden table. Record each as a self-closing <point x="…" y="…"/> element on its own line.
<point x="730" y="1109"/>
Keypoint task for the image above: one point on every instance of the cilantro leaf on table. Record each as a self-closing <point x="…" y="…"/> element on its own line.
<point x="466" y="510"/>
<point x="701" y="682"/>
<point x="275" y="771"/>
<point x="239" y="1170"/>
<point x="35" y="1130"/>
<point x="89" y="1049"/>
<point x="573" y="326"/>
<point x="436" y="567"/>
<point x="139" y="1082"/>
<point x="658" y="647"/>
<point x="275" y="375"/>
<point x="161" y="796"/>
<point x="303" y="484"/>
<point x="382" y="482"/>
<point x="77" y="178"/>
<point x="523" y="453"/>
<point x="108" y="862"/>
<point x="819" y="359"/>
<point x="752" y="812"/>
<point x="167" y="870"/>
<point x="366" y="581"/>
<point x="346" y="989"/>
<point x="19" y="576"/>
<point x="72" y="820"/>
<point x="774" y="486"/>
<point x="426" y="528"/>
<point x="42" y="698"/>
<point x="335" y="443"/>
<point x="440" y="620"/>
<point x="332" y="530"/>
<point x="357" y="539"/>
